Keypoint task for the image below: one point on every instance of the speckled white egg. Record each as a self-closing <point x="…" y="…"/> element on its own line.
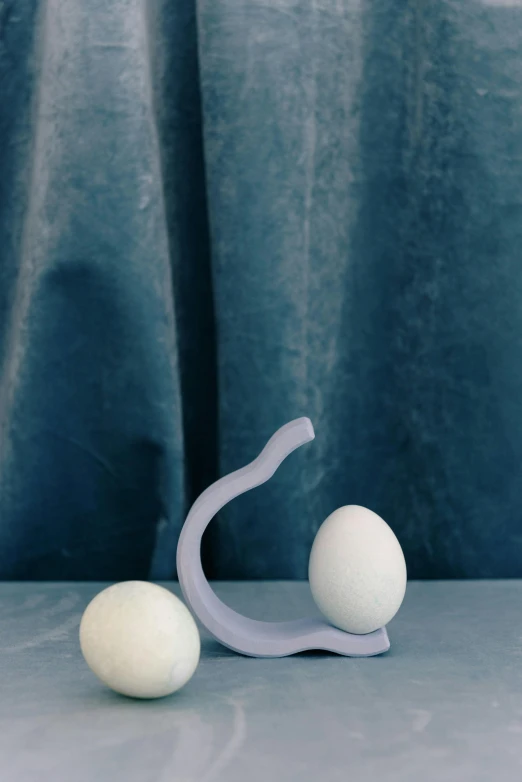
<point x="140" y="639"/>
<point x="357" y="570"/>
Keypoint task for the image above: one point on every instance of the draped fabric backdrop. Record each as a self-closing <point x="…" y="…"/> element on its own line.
<point x="217" y="216"/>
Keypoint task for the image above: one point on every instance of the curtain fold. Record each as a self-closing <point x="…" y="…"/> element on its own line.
<point x="220" y="215"/>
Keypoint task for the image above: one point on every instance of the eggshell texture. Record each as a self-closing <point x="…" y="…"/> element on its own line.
<point x="140" y="639"/>
<point x="357" y="570"/>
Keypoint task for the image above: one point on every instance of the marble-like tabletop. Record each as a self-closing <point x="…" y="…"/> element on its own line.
<point x="445" y="703"/>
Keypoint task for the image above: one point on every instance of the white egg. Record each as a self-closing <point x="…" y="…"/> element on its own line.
<point x="140" y="639"/>
<point x="357" y="570"/>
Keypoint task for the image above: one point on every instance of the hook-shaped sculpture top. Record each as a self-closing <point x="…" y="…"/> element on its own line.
<point x="238" y="632"/>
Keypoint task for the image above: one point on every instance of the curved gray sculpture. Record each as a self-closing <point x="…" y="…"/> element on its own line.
<point x="238" y="632"/>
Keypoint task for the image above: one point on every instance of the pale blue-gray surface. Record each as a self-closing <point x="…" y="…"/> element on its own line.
<point x="444" y="704"/>
<point x="219" y="215"/>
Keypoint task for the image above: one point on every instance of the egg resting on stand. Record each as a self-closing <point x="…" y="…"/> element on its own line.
<point x="357" y="570"/>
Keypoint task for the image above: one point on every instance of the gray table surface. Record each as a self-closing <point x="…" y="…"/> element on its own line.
<point x="444" y="704"/>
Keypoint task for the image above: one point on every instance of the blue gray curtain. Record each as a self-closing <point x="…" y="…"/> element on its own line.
<point x="219" y="215"/>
